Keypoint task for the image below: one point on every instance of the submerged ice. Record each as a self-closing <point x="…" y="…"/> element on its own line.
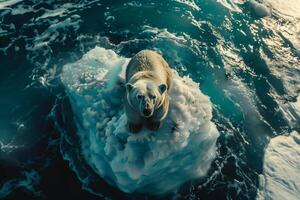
<point x="147" y="162"/>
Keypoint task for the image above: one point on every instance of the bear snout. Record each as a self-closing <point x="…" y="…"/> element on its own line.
<point x="147" y="112"/>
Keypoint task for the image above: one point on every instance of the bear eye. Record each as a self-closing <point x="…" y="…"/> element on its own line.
<point x="139" y="96"/>
<point x="152" y="96"/>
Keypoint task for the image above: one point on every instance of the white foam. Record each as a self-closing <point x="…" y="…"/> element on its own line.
<point x="151" y="162"/>
<point x="21" y="10"/>
<point x="56" y="12"/>
<point x="4" y="3"/>
<point x="189" y="3"/>
<point x="281" y="172"/>
<point x="233" y="5"/>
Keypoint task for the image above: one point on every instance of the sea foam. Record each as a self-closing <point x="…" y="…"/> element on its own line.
<point x="148" y="162"/>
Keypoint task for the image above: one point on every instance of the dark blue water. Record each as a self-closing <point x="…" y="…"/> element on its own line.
<point x="247" y="65"/>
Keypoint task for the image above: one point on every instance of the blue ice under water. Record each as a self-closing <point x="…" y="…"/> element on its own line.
<point x="151" y="162"/>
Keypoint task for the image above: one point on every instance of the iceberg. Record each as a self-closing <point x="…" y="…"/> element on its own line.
<point x="281" y="170"/>
<point x="260" y="9"/>
<point x="148" y="162"/>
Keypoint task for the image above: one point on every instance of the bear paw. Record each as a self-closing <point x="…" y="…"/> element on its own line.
<point x="134" y="128"/>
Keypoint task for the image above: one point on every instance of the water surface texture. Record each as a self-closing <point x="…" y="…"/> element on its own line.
<point x="245" y="55"/>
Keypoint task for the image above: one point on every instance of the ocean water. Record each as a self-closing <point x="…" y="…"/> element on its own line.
<point x="245" y="56"/>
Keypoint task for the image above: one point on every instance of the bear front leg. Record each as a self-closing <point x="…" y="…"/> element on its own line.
<point x="134" y="128"/>
<point x="154" y="126"/>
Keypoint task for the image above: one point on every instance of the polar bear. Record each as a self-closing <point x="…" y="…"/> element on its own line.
<point x="147" y="82"/>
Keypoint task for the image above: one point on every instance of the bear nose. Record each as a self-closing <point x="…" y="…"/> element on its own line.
<point x="147" y="112"/>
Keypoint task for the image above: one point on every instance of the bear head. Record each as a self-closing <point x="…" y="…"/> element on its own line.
<point x="145" y="96"/>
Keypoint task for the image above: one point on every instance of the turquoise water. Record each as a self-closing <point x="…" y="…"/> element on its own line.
<point x="247" y="65"/>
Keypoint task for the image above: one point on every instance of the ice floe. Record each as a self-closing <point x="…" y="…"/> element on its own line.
<point x="147" y="162"/>
<point x="281" y="171"/>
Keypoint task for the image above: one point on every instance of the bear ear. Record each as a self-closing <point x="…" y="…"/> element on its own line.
<point x="129" y="87"/>
<point x="162" y="88"/>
